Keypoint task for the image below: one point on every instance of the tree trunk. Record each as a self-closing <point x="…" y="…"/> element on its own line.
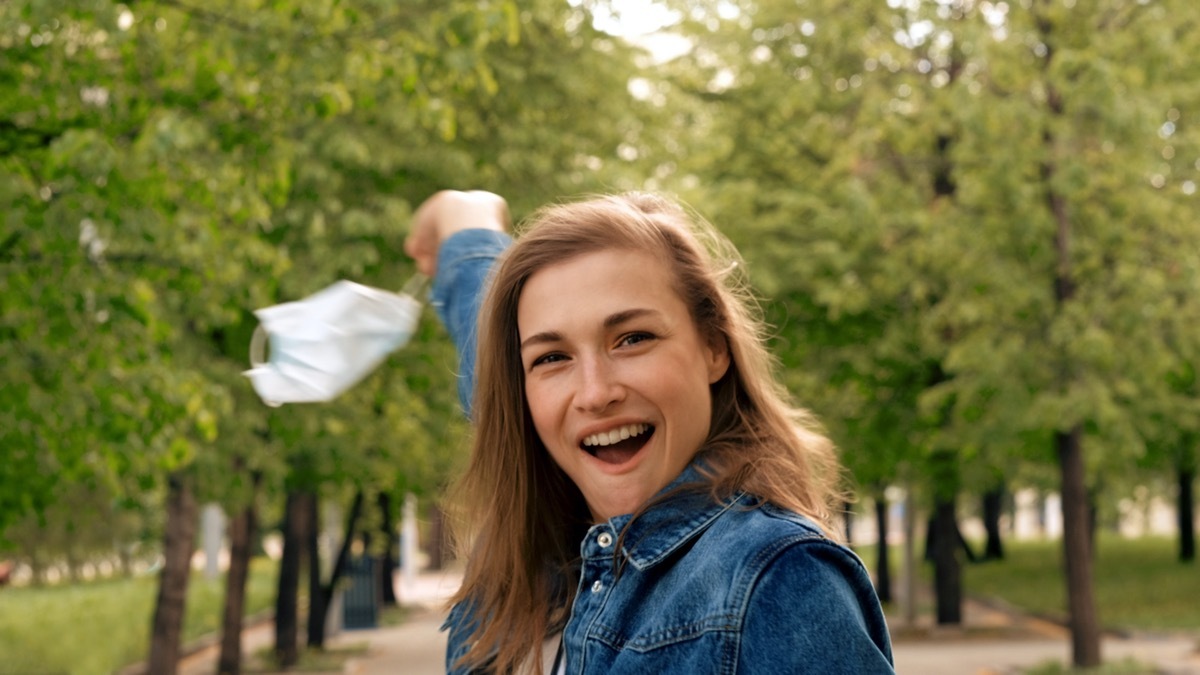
<point x="125" y="559"/>
<point x="316" y="619"/>
<point x="1085" y="626"/>
<point x="910" y="557"/>
<point x="1185" y="508"/>
<point x="73" y="565"/>
<point x="316" y="595"/>
<point x="241" y="536"/>
<point x="37" y="568"/>
<point x="947" y="568"/>
<point x="179" y="543"/>
<point x="993" y="506"/>
<point x="296" y="526"/>
<point x="1042" y="513"/>
<point x="388" y="531"/>
<point x="883" y="573"/>
<point x="930" y="530"/>
<point x="943" y="539"/>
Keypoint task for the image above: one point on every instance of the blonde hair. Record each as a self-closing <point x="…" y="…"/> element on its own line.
<point x="527" y="517"/>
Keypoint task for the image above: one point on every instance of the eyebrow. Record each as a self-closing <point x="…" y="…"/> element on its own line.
<point x="610" y="321"/>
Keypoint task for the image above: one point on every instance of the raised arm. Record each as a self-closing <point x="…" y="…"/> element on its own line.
<point x="455" y="238"/>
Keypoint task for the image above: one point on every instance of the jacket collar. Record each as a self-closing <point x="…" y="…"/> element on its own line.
<point x="673" y="522"/>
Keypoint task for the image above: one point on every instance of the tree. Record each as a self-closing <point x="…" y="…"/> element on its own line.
<point x="846" y="249"/>
<point x="982" y="191"/>
<point x="172" y="589"/>
<point x="175" y="166"/>
<point x="298" y="525"/>
<point x="149" y="165"/>
<point x="243" y="528"/>
<point x="993" y="506"/>
<point x="1082" y="353"/>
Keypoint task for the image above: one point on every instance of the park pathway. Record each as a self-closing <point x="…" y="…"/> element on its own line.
<point x="992" y="641"/>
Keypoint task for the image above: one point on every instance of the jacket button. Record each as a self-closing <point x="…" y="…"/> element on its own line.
<point x="605" y="540"/>
<point x="597" y="586"/>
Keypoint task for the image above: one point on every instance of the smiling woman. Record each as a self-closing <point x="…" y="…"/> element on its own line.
<point x="643" y="498"/>
<point x="629" y="359"/>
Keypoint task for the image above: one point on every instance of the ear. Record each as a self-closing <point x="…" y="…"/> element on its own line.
<point x="717" y="357"/>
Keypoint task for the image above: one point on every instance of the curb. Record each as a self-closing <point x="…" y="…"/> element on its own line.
<point x="202" y="643"/>
<point x="1056" y="620"/>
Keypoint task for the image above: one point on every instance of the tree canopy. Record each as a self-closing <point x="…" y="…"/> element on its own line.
<point x="168" y="167"/>
<point x="972" y="223"/>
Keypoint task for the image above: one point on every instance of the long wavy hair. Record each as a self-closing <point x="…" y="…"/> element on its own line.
<point x="524" y="517"/>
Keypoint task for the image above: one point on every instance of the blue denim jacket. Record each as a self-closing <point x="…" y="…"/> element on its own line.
<point x="464" y="261"/>
<point x="697" y="586"/>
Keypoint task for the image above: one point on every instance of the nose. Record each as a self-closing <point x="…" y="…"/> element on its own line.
<point x="598" y="386"/>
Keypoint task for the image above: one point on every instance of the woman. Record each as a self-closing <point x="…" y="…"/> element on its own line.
<point x="644" y="499"/>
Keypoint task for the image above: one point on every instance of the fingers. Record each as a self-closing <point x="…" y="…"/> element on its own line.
<point x="422" y="241"/>
<point x="426" y="261"/>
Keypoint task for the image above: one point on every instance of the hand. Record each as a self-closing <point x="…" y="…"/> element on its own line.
<point x="447" y="212"/>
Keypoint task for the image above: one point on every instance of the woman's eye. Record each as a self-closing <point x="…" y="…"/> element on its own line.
<point x="634" y="338"/>
<point x="547" y="359"/>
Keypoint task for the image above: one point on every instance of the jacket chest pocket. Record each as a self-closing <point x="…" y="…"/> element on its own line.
<point x="707" y="645"/>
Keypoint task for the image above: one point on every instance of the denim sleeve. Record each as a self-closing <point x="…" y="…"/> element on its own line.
<point x="465" y="260"/>
<point x="461" y="624"/>
<point x="832" y="623"/>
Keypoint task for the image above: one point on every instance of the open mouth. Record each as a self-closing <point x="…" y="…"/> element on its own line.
<point x="619" y="445"/>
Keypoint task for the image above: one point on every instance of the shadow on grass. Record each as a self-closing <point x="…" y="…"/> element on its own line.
<point x="1122" y="667"/>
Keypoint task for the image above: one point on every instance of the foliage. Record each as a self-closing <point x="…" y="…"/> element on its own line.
<point x="169" y="167"/>
<point x="86" y="527"/>
<point x="896" y="175"/>
<point x="974" y="227"/>
<point x="886" y="171"/>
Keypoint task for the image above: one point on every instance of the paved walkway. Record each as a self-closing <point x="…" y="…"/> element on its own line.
<point x="995" y="641"/>
<point x="415" y="648"/>
<point x="992" y="642"/>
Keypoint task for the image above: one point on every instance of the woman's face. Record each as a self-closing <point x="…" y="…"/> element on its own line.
<point x="616" y="375"/>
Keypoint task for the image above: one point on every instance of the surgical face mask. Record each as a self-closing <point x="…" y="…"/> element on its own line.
<point x="324" y="344"/>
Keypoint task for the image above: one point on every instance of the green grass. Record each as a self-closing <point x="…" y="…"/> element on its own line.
<point x="328" y="660"/>
<point x="394" y="615"/>
<point x="101" y="626"/>
<point x="1139" y="583"/>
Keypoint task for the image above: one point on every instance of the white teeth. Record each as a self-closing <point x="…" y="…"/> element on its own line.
<point x="616" y="435"/>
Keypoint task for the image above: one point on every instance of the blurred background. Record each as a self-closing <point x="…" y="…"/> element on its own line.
<point x="973" y="227"/>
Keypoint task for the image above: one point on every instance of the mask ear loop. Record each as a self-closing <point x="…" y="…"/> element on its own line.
<point x="417" y="287"/>
<point x="258" y="347"/>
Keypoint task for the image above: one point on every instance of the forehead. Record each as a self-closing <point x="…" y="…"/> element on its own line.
<point x="597" y="284"/>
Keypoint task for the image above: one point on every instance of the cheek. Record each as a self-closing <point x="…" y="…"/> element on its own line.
<point x="537" y="400"/>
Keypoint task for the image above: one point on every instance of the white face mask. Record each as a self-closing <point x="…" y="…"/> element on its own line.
<point x="324" y="344"/>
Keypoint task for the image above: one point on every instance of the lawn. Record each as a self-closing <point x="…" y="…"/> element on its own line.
<point x="101" y="626"/>
<point x="1140" y="584"/>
